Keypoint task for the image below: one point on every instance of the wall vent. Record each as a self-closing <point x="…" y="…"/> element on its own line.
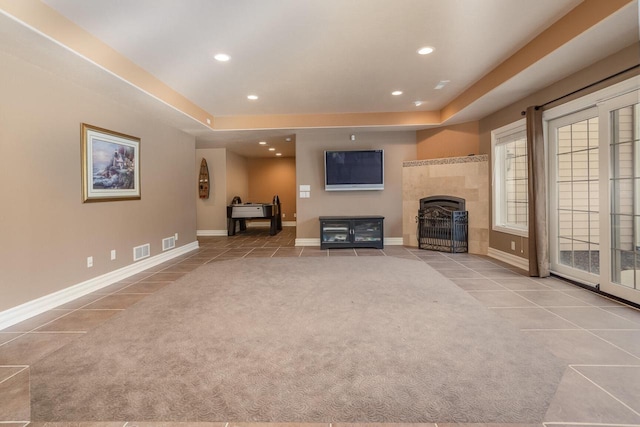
<point x="140" y="252"/>
<point x="168" y="243"/>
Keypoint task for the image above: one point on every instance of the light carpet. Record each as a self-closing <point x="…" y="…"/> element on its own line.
<point x="351" y="339"/>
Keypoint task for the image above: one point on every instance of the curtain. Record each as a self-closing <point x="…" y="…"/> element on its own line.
<point x="538" y="227"/>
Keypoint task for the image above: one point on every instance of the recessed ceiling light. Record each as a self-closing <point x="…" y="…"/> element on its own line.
<point x="272" y="149"/>
<point x="425" y="50"/>
<point x="278" y="154"/>
<point x="252" y="97"/>
<point x="441" y="84"/>
<point x="396" y="92"/>
<point x="417" y="103"/>
<point x="222" y="57"/>
<point x="262" y="143"/>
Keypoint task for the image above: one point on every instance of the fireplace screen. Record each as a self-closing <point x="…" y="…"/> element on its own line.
<point x="443" y="224"/>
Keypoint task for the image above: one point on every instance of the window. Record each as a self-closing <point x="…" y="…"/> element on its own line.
<point x="510" y="192"/>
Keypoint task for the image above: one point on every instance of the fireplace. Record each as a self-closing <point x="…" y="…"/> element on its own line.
<point x="443" y="224"/>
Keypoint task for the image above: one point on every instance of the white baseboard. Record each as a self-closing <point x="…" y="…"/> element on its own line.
<point x="393" y="241"/>
<point x="510" y="259"/>
<point x="308" y="242"/>
<point x="209" y="233"/>
<point x="40" y="305"/>
<point x="289" y="223"/>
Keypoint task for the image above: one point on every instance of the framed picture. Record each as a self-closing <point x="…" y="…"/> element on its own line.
<point x="110" y="165"/>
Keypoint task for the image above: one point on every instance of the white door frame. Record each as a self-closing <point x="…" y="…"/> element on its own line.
<point x="602" y="102"/>
<point x="605" y="108"/>
<point x="584" y="277"/>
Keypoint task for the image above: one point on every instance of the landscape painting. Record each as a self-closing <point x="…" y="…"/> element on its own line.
<point x="110" y="165"/>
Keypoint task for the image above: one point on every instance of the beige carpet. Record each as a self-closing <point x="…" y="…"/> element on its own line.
<point x="350" y="339"/>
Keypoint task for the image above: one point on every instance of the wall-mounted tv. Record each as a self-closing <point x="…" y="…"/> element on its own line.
<point x="354" y="170"/>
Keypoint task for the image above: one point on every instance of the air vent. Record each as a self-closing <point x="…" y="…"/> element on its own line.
<point x="140" y="252"/>
<point x="168" y="243"/>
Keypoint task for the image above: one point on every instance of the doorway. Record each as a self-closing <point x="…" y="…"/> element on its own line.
<point x="594" y="189"/>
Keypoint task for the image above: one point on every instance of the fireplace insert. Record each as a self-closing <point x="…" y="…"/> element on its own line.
<point x="443" y="224"/>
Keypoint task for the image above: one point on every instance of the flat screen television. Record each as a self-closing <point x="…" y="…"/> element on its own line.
<point x="354" y="170"/>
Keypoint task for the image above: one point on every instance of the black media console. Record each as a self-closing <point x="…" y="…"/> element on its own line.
<point x="351" y="232"/>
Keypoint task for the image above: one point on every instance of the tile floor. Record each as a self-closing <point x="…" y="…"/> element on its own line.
<point x="597" y="337"/>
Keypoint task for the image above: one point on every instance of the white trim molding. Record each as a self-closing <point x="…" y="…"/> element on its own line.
<point x="393" y="241"/>
<point x="209" y="233"/>
<point x="513" y="135"/>
<point x="593" y="99"/>
<point x="40" y="305"/>
<point x="510" y="259"/>
<point x="308" y="242"/>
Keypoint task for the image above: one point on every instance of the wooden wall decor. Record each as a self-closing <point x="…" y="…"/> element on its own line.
<point x="203" y="183"/>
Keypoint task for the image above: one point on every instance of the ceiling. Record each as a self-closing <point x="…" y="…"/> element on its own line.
<point x="337" y="57"/>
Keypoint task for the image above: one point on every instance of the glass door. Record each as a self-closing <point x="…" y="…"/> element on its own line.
<point x="624" y="151"/>
<point x="367" y="231"/>
<point x="575" y="196"/>
<point x="335" y="231"/>
<point x="594" y="189"/>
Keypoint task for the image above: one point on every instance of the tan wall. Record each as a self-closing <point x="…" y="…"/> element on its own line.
<point x="608" y="66"/>
<point x="237" y="177"/>
<point x="310" y="146"/>
<point x="254" y="180"/>
<point x="464" y="177"/>
<point x="271" y="176"/>
<point x="449" y="141"/>
<point x="212" y="212"/>
<point x="47" y="231"/>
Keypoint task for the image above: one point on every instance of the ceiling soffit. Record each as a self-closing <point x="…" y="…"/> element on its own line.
<point x="56" y="27"/>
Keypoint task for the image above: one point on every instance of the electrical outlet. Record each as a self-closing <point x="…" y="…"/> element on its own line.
<point x="294" y="214"/>
<point x="113" y="254"/>
<point x="513" y="245"/>
<point x="176" y="237"/>
<point x="283" y="215"/>
<point x="89" y="261"/>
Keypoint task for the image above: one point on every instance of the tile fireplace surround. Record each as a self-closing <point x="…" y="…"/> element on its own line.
<point x="466" y="177"/>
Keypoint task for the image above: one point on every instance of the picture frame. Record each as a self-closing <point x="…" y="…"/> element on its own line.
<point x="110" y="165"/>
